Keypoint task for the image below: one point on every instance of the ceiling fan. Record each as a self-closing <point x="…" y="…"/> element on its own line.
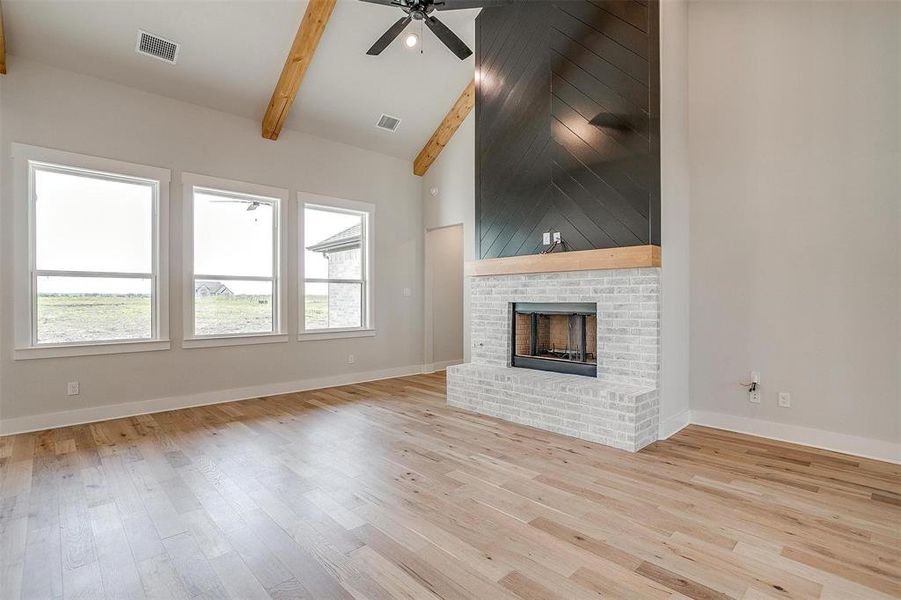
<point x="251" y="204"/>
<point x="421" y="10"/>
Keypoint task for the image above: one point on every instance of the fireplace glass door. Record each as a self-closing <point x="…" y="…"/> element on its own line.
<point x="555" y="336"/>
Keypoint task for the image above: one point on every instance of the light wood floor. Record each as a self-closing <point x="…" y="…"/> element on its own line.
<point x="380" y="491"/>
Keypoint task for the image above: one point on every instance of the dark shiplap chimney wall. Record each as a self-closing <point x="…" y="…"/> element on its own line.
<point x="567" y="125"/>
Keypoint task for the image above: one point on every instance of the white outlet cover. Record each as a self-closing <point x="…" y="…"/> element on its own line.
<point x="72" y="388"/>
<point x="546" y="238"/>
<point x="407" y="292"/>
<point x="754" y="397"/>
<point x="556" y="236"/>
<point x="350" y="359"/>
<point x="785" y="399"/>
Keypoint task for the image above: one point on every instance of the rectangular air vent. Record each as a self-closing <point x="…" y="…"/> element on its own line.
<point x="157" y="47"/>
<point x="388" y="123"/>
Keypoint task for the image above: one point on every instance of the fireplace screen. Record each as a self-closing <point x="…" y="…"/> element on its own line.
<point x="559" y="337"/>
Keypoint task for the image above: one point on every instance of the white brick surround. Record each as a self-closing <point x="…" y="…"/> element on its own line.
<point x="619" y="407"/>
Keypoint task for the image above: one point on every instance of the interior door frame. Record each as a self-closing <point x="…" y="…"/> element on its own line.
<point x="429" y="365"/>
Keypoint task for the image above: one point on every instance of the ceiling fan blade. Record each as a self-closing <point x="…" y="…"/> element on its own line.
<point x="389" y="36"/>
<point x="448" y="37"/>
<point x="464" y="4"/>
<point x="385" y="2"/>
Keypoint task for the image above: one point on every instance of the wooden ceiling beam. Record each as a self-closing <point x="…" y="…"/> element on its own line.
<point x="302" y="50"/>
<point x="2" y="45"/>
<point x="452" y="121"/>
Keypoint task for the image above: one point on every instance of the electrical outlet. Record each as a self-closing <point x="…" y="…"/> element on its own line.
<point x="556" y="236"/>
<point x="72" y="388"/>
<point x="546" y="238"/>
<point x="350" y="359"/>
<point x="407" y="292"/>
<point x="754" y="388"/>
<point x="785" y="399"/>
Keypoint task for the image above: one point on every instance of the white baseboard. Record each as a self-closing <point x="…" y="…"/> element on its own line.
<point x="143" y="407"/>
<point x="818" y="438"/>
<point x="673" y="424"/>
<point x="440" y="366"/>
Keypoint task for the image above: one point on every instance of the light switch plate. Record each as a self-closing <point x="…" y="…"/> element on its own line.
<point x="546" y="238"/>
<point x="785" y="399"/>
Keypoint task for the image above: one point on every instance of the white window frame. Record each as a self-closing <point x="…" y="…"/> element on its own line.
<point x="279" y="199"/>
<point x="25" y="159"/>
<point x="367" y="210"/>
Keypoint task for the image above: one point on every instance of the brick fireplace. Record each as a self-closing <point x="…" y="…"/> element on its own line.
<point x="618" y="404"/>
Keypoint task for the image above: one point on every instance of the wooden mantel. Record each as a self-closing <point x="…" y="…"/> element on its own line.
<point x="629" y="257"/>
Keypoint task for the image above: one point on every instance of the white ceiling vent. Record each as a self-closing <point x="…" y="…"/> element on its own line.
<point x="388" y="123"/>
<point x="157" y="47"/>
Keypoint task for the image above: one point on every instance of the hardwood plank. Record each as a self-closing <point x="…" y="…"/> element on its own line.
<point x="525" y="588"/>
<point x="161" y="580"/>
<point x="378" y="490"/>
<point x="237" y="579"/>
<point x="118" y="570"/>
<point x="193" y="569"/>
<point x="678" y="583"/>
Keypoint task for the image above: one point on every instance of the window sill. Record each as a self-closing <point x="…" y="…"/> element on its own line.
<point x="312" y="336"/>
<point x="234" y="340"/>
<point x="63" y="350"/>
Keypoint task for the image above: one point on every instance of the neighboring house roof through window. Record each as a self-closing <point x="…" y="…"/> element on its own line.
<point x="211" y="288"/>
<point x="343" y="240"/>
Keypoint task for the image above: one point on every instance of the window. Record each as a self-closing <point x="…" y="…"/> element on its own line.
<point x="336" y="243"/>
<point x="93" y="273"/>
<point x="234" y="265"/>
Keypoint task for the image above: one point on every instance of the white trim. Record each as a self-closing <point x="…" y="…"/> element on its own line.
<point x="24" y="271"/>
<point x="279" y="199"/>
<point x="320" y="334"/>
<point x="333" y="202"/>
<point x="674" y="424"/>
<point x="89" y="349"/>
<point x="441" y="365"/>
<point x="817" y="438"/>
<point x="218" y="341"/>
<point x="428" y="350"/>
<point x="368" y="269"/>
<point x="143" y="407"/>
<point x="92" y="274"/>
<point x="233" y="186"/>
<point x="97" y="164"/>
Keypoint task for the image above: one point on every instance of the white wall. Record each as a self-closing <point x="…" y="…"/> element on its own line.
<point x="453" y="174"/>
<point x="59" y="109"/>
<point x="795" y="121"/>
<point x="675" y="214"/>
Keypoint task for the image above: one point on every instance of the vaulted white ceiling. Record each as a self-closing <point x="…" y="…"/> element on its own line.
<point x="232" y="53"/>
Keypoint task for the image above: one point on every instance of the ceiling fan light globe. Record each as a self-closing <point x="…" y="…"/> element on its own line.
<point x="411" y="40"/>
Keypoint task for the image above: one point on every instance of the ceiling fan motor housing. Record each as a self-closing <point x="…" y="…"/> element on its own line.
<point x="420" y="10"/>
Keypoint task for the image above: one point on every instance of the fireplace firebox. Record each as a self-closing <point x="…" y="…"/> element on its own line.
<point x="555" y="336"/>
